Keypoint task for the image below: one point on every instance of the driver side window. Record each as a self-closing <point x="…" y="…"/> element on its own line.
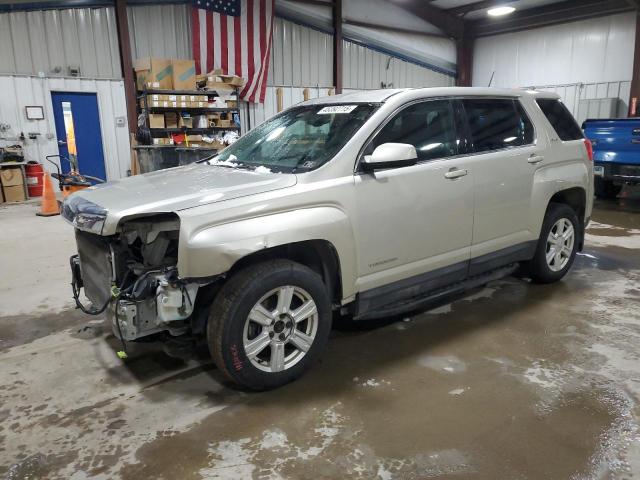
<point x="428" y="126"/>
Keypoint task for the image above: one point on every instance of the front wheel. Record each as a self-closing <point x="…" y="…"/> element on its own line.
<point x="557" y="245"/>
<point x="269" y="323"/>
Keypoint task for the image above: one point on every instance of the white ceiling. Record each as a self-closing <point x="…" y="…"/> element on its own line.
<point x="517" y="4"/>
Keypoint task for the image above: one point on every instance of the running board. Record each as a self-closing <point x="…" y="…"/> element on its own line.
<point x="433" y="297"/>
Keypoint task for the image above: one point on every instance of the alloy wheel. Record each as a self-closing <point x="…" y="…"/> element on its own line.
<point x="280" y="329"/>
<point x="560" y="244"/>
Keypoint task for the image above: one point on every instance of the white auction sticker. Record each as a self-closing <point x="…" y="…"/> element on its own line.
<point x="337" y="109"/>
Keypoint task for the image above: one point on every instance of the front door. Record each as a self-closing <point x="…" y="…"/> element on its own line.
<point x="416" y="220"/>
<point x="78" y="130"/>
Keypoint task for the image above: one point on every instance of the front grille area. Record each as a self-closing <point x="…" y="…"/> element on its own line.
<point x="95" y="265"/>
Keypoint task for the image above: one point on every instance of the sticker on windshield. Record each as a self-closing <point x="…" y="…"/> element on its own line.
<point x="337" y="109"/>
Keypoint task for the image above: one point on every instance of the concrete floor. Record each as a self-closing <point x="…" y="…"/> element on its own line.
<point x="512" y="381"/>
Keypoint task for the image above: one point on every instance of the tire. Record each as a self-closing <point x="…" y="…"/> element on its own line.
<point x="268" y="351"/>
<point x="606" y="189"/>
<point x="539" y="268"/>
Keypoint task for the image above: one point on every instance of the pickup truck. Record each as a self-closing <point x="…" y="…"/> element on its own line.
<point x="616" y="153"/>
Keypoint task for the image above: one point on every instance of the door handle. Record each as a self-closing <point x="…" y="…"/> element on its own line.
<point x="535" y="159"/>
<point x="61" y="142"/>
<point x="455" y="173"/>
<point x="635" y="140"/>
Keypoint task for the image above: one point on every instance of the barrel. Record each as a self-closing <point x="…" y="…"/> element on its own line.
<point x="35" y="181"/>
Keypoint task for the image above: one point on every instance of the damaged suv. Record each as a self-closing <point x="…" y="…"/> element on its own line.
<point x="365" y="204"/>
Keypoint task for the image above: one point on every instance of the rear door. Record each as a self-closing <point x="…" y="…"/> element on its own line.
<point x="507" y="154"/>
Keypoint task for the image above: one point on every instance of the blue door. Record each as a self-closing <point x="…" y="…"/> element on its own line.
<point x="78" y="131"/>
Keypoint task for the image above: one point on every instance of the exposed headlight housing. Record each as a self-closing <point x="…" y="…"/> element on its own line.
<point x="83" y="214"/>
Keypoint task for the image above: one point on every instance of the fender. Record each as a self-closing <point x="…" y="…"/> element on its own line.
<point x="553" y="179"/>
<point x="215" y="249"/>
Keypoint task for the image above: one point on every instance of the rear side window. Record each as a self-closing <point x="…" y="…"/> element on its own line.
<point x="428" y="126"/>
<point x="560" y="119"/>
<point x="497" y="123"/>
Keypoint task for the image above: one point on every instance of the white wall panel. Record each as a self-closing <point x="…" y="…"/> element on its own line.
<point x="160" y="31"/>
<point x="300" y="56"/>
<point x="50" y="41"/>
<point x="19" y="91"/>
<point x="365" y="69"/>
<point x="589" y="51"/>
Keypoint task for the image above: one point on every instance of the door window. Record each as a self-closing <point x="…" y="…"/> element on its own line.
<point x="495" y="124"/>
<point x="428" y="126"/>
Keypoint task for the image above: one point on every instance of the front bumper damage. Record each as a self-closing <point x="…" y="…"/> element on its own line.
<point x="133" y="277"/>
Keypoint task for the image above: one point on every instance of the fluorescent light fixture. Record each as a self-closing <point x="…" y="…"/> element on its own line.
<point x="500" y="11"/>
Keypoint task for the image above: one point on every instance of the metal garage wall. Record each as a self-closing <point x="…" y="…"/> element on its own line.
<point x="302" y="57"/>
<point x="50" y="41"/>
<point x="19" y="91"/>
<point x="365" y="69"/>
<point x="160" y="31"/>
<point x="582" y="59"/>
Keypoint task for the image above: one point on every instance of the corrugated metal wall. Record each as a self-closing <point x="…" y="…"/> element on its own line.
<point x="571" y="95"/>
<point x="585" y="59"/>
<point x="19" y="91"/>
<point x="160" y="31"/>
<point x="51" y="41"/>
<point x="366" y="69"/>
<point x="302" y="57"/>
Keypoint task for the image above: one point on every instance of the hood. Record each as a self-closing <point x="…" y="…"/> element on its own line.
<point x="179" y="188"/>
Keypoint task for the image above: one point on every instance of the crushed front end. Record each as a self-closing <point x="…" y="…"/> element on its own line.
<point x="131" y="275"/>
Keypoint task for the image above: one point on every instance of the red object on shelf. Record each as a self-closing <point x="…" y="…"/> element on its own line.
<point x="35" y="181"/>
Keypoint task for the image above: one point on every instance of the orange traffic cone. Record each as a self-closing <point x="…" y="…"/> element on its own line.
<point x="49" y="205"/>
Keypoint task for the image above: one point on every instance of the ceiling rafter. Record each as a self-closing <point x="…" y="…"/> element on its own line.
<point x="451" y="25"/>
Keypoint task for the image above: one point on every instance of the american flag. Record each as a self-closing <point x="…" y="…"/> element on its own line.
<point x="235" y="36"/>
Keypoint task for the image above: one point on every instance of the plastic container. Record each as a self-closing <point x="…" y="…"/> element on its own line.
<point x="35" y="181"/>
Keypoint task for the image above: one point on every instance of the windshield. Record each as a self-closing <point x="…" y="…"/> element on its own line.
<point x="298" y="140"/>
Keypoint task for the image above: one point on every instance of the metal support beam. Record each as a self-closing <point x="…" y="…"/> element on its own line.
<point x="451" y="25"/>
<point x="634" y="94"/>
<point x="464" y="49"/>
<point x="553" y="14"/>
<point x="337" y="45"/>
<point x="358" y="23"/>
<point x="126" y="63"/>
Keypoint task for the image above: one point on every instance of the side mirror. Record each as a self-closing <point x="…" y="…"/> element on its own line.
<point x="390" y="155"/>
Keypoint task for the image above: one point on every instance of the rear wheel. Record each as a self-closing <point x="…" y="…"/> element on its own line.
<point x="606" y="188"/>
<point x="557" y="245"/>
<point x="269" y="323"/>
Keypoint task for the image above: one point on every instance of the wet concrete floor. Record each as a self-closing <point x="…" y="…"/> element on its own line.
<point x="513" y="381"/>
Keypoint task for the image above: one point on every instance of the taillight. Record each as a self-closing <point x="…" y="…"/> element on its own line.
<point x="589" y="145"/>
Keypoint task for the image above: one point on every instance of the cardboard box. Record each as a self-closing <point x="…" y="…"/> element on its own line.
<point x="11" y="177"/>
<point x="171" y="120"/>
<point x="153" y="71"/>
<point x="219" y="86"/>
<point x="184" y="74"/>
<point x="14" y="193"/>
<point x="194" y="138"/>
<point x="156" y="120"/>
<point x="232" y="104"/>
<point x="223" y="123"/>
<point x="232" y="80"/>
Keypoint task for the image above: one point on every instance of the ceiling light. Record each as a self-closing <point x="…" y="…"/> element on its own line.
<point x="500" y="11"/>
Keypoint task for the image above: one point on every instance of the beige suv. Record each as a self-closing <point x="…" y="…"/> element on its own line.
<point x="365" y="204"/>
